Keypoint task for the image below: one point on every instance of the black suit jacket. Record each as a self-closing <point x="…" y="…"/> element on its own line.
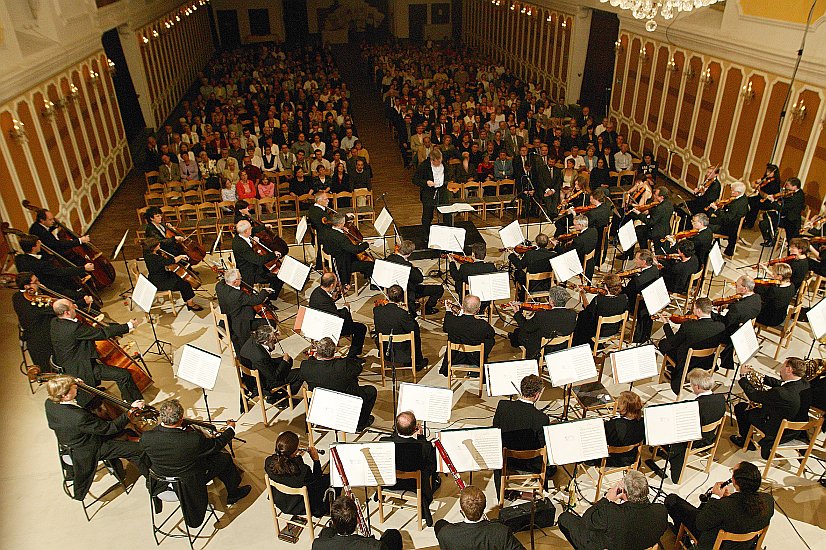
<point x="329" y="540"/>
<point x="466" y="329"/>
<point x="485" y="535"/>
<point x="416" y="275"/>
<point x="150" y="230"/>
<point x="559" y="321"/>
<point x="343" y="252"/>
<point x="391" y="319"/>
<point x="658" y="220"/>
<point x="711" y="194"/>
<point x="238" y="306"/>
<point x="697" y="334"/>
<point x="273" y="371"/>
<point x="55" y="278"/>
<point x="74" y="346"/>
<point x="599" y="216"/>
<point x="158" y="275"/>
<point x="341" y="375"/>
<point x="620" y="432"/>
<point x="728" y="217"/>
<point x="315" y="215"/>
<point x="414" y="455"/>
<point x="320" y="300"/>
<point x="712" y="409"/>
<point x="48" y="238"/>
<point x="627" y="526"/>
<point x="584" y="243"/>
<point x="789" y="401"/>
<point x="460" y="274"/>
<point x="776" y="300"/>
<point x="249" y="263"/>
<point x="605" y="306"/>
<point x="677" y="274"/>
<point x="636" y="284"/>
<point x="702" y="245"/>
<point x="36" y="324"/>
<point x="523" y="421"/>
<point x="740" y="312"/>
<point x="729" y="514"/>
<point x="313" y="478"/>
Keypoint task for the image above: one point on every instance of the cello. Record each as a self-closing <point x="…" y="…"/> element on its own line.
<point x="352" y="232"/>
<point x="191" y="248"/>
<point x="268" y="237"/>
<point x="182" y="271"/>
<point x="104" y="272"/>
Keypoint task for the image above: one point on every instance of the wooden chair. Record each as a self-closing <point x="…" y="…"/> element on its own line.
<point x="313" y="429"/>
<point x="491" y="201"/>
<point x="718" y="236"/>
<point x="170" y="214"/>
<point x="465" y="348"/>
<point x="722" y="536"/>
<point x="242" y="371"/>
<point x="585" y="260"/>
<point x="536" y="277"/>
<point x="397" y="494"/>
<point x="472" y="195"/>
<point x="327" y="264"/>
<point x="605" y="470"/>
<point x="795" y="445"/>
<point x="387" y="364"/>
<point x="277" y="515"/>
<point x="193" y="196"/>
<point x="613" y="342"/>
<point x="221" y="322"/>
<point x="153" y="199"/>
<point x="784" y="333"/>
<point x="691" y="293"/>
<point x="151" y="177"/>
<point x="287" y="211"/>
<point x="591" y="396"/>
<point x="522" y="481"/>
<point x="207" y="223"/>
<point x="211" y="195"/>
<point x="363" y="211"/>
<point x="343" y="202"/>
<point x="188" y="218"/>
<point x="173" y="198"/>
<point x="708" y="451"/>
<point x="161" y="294"/>
<point x="692" y="354"/>
<point x="155" y="188"/>
<point x="634" y="316"/>
<point x="545" y="342"/>
<point x="267" y="210"/>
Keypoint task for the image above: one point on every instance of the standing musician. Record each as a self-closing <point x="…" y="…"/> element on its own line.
<point x="162" y="278"/>
<point x="707" y="192"/>
<point x="465" y="328"/>
<point x="769" y="184"/>
<point x="342" y="533"/>
<point x="476" y="532"/>
<point x="532" y="326"/>
<point x="155" y="229"/>
<point x="746" y="307"/>
<point x="534" y="260"/>
<point x="479" y="266"/>
<point x="789" y="205"/>
<point x="239" y="307"/>
<point x="429" y="177"/>
<point x="286" y="467"/>
<point x="415" y="283"/>
<point x="43" y="228"/>
<point x="726" y="219"/>
<point x="392" y="319"/>
<point x="89" y="438"/>
<point x="599" y="217"/>
<point x="324" y="297"/>
<point x="571" y="197"/>
<point x="798" y="260"/>
<point x="524" y="177"/>
<point x="54" y="278"/>
<point x="74" y="350"/>
<point x="649" y="273"/>
<point x="584" y="243"/>
<point x="548" y="179"/>
<point x="174" y="449"/>
<point x="656" y="221"/>
<point x="613" y="302"/>
<point x="784" y="398"/>
<point x="777" y="296"/>
<point x="677" y="273"/>
<point x="249" y="262"/>
<point x="34" y="320"/>
<point x="343" y="252"/>
<point x="256" y="354"/>
<point x="316" y="214"/>
<point x="339" y="374"/>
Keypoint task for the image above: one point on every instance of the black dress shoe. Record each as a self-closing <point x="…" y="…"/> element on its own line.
<point x="655" y="468"/>
<point x="243" y="491"/>
<point x="421" y="364"/>
<point x="435" y="483"/>
<point x="157" y="504"/>
<point x="740" y="441"/>
<point x="370" y="420"/>
<point x="195" y="307"/>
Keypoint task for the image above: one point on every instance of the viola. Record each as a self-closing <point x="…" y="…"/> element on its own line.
<point x="104" y="273"/>
<point x="726" y="300"/>
<point x="783" y="260"/>
<point x="767" y="282"/>
<point x="189" y="247"/>
<point x="630" y="272"/>
<point x="583" y="209"/>
<point x="458" y="258"/>
<point x="683" y="235"/>
<point x="679" y="319"/>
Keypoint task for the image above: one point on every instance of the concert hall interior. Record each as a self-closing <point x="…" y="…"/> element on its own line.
<point x="580" y="238"/>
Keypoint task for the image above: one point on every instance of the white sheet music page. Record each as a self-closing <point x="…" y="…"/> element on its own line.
<point x="293" y="273"/>
<point x="455" y="208"/>
<point x="490" y="286"/>
<point x="570" y="366"/>
<point x="505" y="377"/>
<point x="387" y="274"/>
<point x="817" y="319"/>
<point x="672" y="423"/>
<point x="144" y="293"/>
<point x="301" y="230"/>
<point x="383" y="222"/>
<point x="576" y="441"/>
<point x="365" y="464"/>
<point x="627" y="236"/>
<point x="315" y="324"/>
<point x="198" y="366"/>
<point x="293" y="345"/>
<point x="335" y="410"/>
<point x="656" y="296"/>
<point x="715" y="256"/>
<point x="745" y="343"/>
<point x="451" y="239"/>
<point x="566" y="265"/>
<point x="632" y="364"/>
<point x="428" y="403"/>
<point x="511" y="234"/>
<point x="472" y="450"/>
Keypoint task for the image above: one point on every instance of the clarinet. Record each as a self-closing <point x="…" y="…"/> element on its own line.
<point x="446" y="459"/>
<point x="363" y="528"/>
<point x="705" y="497"/>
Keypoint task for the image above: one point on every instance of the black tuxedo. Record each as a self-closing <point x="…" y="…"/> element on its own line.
<point x="416" y="454"/>
<point x="789" y="401"/>
<point x="415" y="285"/>
<point x="152" y="231"/>
<point x="522" y="430"/>
<point x="787" y="216"/>
<point x="467" y="329"/>
<point x="800" y="270"/>
<point x="251" y="265"/>
<point x="712" y="408"/>
<point x="484" y="535"/>
<point x="166" y="280"/>
<point x="196" y="459"/>
<point x="533" y="261"/>
<point x="36" y="324"/>
<point x="698" y="334"/>
<point x="776" y="300"/>
<point x="316" y="215"/>
<point x="316" y="481"/>
<point x="712" y="193"/>
<point x="559" y="321"/>
<point x="343" y="253"/>
<point x="586" y="322"/>
<point x="460" y="274"/>
<point x="48" y="238"/>
<point x="431" y="197"/>
<point x="657" y="224"/>
<point x="341" y="375"/>
<point x="620" y="432"/>
<point x="726" y="220"/>
<point x="274" y="372"/>
<point x="320" y="300"/>
<point x="606" y="525"/>
<point x="238" y="307"/>
<point x="642" y="332"/>
<point x="740" y="312"/>
<point x="677" y="274"/>
<point x="584" y="244"/>
<point x="391" y="319"/>
<point x="58" y="279"/>
<point x="328" y="540"/>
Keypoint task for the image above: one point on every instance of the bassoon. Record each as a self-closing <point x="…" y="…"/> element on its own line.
<point x="363" y="528"/>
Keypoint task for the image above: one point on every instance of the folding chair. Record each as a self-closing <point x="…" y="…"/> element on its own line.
<point x="699" y="353"/>
<point x="795" y="445"/>
<point x="465" y="348"/>
<point x="386" y="363"/>
<point x="278" y="516"/>
<point x="722" y="536"/>
<point x="784" y="332"/>
<point x="399" y="494"/>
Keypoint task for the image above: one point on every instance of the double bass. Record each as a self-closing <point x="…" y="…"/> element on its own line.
<point x="104" y="272"/>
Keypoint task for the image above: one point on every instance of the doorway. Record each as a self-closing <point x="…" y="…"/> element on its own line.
<point x="130" y="109"/>
<point x="295" y="21"/>
<point x="228" y="29"/>
<point x="598" y="76"/>
<point x="417" y="19"/>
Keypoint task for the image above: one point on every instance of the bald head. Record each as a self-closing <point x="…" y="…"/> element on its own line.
<point x="471" y="304"/>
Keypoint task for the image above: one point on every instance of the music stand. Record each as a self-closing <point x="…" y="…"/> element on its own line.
<point x="144" y="296"/>
<point x="118" y="250"/>
<point x="200" y="367"/>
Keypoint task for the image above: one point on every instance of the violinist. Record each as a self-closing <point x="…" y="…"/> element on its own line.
<point x="172" y="449"/>
<point x="532" y="326"/>
<point x="798" y="260"/>
<point x="324" y="297"/>
<point x="390" y="319"/>
<point x="677" y="273"/>
<point x="43" y="228"/>
<point x="249" y="262"/>
<point x="535" y="260"/>
<point x="74" y="350"/>
<point x="585" y="242"/>
<point x="286" y="466"/>
<point x="815" y="225"/>
<point x="89" y="437"/>
<point x="726" y="219"/>
<point x="706" y="192"/>
<point x="576" y="195"/>
<point x="776" y="297"/>
<point x="34" y="319"/>
<point x="256" y="354"/>
<point x="649" y="273"/>
<point x="788" y="206"/>
<point x="162" y="278"/>
<point x="740" y="311"/>
<point x="639" y="194"/>
<point x="155" y="229"/>
<point x="613" y="302"/>
<point x="55" y="278"/>
<point x="415" y="284"/>
<point x="769" y="184"/>
<point x="465" y="328"/>
<point x="343" y="252"/>
<point x="479" y="266"/>
<point x="703" y="239"/>
<point x="239" y="307"/>
<point x="656" y="221"/>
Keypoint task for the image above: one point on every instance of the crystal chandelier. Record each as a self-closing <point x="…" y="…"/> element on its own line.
<point x="649" y="9"/>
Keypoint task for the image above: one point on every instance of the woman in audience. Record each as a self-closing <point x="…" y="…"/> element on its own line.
<point x="245" y="188"/>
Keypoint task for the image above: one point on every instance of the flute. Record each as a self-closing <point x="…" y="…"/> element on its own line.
<point x="363" y="528"/>
<point x="306" y="449"/>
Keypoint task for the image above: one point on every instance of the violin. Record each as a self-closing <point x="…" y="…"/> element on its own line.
<point x="583" y="209"/>
<point x="679" y="319"/>
<point x="566" y="236"/>
<point x="533" y="306"/>
<point x="816" y="222"/>
<point x="521" y="248"/>
<point x="183" y="271"/>
<point x="763" y="182"/>
<point x="778" y="196"/>
<point x="189" y="247"/>
<point x="767" y="282"/>
<point x="783" y="260"/>
<point x="722" y="203"/>
<point x="645" y="207"/>
<point x="661" y="257"/>
<point x="630" y="272"/>
<point x="567" y="200"/>
<point x="458" y="258"/>
<point x="104" y="273"/>
<point x="726" y="300"/>
<point x="378" y="302"/>
<point x="815" y="241"/>
<point x="682" y="235"/>
<point x="456" y="309"/>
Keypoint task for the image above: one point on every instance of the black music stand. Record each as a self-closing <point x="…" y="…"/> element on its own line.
<point x="144" y="295"/>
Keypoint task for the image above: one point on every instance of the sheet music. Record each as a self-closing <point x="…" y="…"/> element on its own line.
<point x="301" y="230"/>
<point x="294" y="345"/>
<point x="455" y="208"/>
<point x="715" y="256"/>
<point x="387" y="274"/>
<point x="198" y="366"/>
<point x="447" y="238"/>
<point x="120" y="245"/>
<point x="576" y="441"/>
<point x="570" y="366"/>
<point x="632" y="364"/>
<point x="383" y="222"/>
<point x="745" y="343"/>
<point x="656" y="296"/>
<point x="505" y="377"/>
<point x="428" y="403"/>
<point x="566" y="265"/>
<point x="490" y="286"/>
<point x="293" y="273"/>
<point x="511" y="234"/>
<point x="627" y="236"/>
<point x="672" y="423"/>
<point x="365" y="464"/>
<point x="472" y="450"/>
<point x="315" y="324"/>
<point x="144" y="293"/>
<point x="335" y="410"/>
<point x="817" y="319"/>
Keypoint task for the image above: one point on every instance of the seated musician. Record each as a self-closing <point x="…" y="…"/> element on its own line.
<point x="57" y="279"/>
<point x="239" y="307"/>
<point x="784" y="398"/>
<point x="156" y="264"/>
<point x="390" y="319"/>
<point x="242" y="212"/>
<point x="415" y="283"/>
<point x="466" y="328"/>
<point x="622" y="519"/>
<point x="344" y="516"/>
<point x="74" y="350"/>
<point x="339" y="374"/>
<point x="613" y="302"/>
<point x="172" y="449"/>
<point x="285" y="466"/>
<point x="584" y="243"/>
<point x="768" y="184"/>
<point x="34" y="320"/>
<point x="639" y="194"/>
<point x="798" y="260"/>
<point x="706" y="192"/>
<point x="43" y="228"/>
<point x="656" y="221"/>
<point x="535" y="260"/>
<point x="677" y="273"/>
<point x="738" y="312"/>
<point x="343" y="252"/>
<point x="155" y="229"/>
<point x="649" y="273"/>
<point x="479" y="266"/>
<point x="532" y="326"/>
<point x="626" y="429"/>
<point x="776" y="296"/>
<point x="324" y="297"/>
<point x="726" y="219"/>
<point x="476" y="532"/>
<point x="522" y="427"/>
<point x="712" y="408"/>
<point x="89" y="437"/>
<point x="414" y="453"/>
<point x="734" y="506"/>
<point x="256" y="354"/>
<point x="700" y="333"/>
<point x="786" y="209"/>
<point x="703" y="240"/>
<point x="250" y="263"/>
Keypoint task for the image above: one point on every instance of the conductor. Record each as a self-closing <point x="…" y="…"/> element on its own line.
<point x="430" y="179"/>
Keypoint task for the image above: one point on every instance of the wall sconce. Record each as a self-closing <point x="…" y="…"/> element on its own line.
<point x="523" y="10"/>
<point x="564" y="24"/>
<point x="73" y="93"/>
<point x="145" y="40"/>
<point x="689" y="72"/>
<point x="111" y="68"/>
<point x="513" y="7"/>
<point x="93" y="77"/>
<point x="706" y="78"/>
<point x="747" y="93"/>
<point x="155" y="34"/>
<point x="643" y="55"/>
<point x="672" y="65"/>
<point x="799" y="111"/>
<point x="18" y="132"/>
<point x="48" y="110"/>
<point x="549" y="19"/>
<point x="618" y="45"/>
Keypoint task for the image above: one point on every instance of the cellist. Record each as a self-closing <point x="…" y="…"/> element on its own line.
<point x="58" y="279"/>
<point x="157" y="230"/>
<point x="344" y="253"/>
<point x="162" y="278"/>
<point x="43" y="227"/>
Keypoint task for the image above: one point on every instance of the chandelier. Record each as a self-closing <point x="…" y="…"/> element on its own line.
<point x="649" y="9"/>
